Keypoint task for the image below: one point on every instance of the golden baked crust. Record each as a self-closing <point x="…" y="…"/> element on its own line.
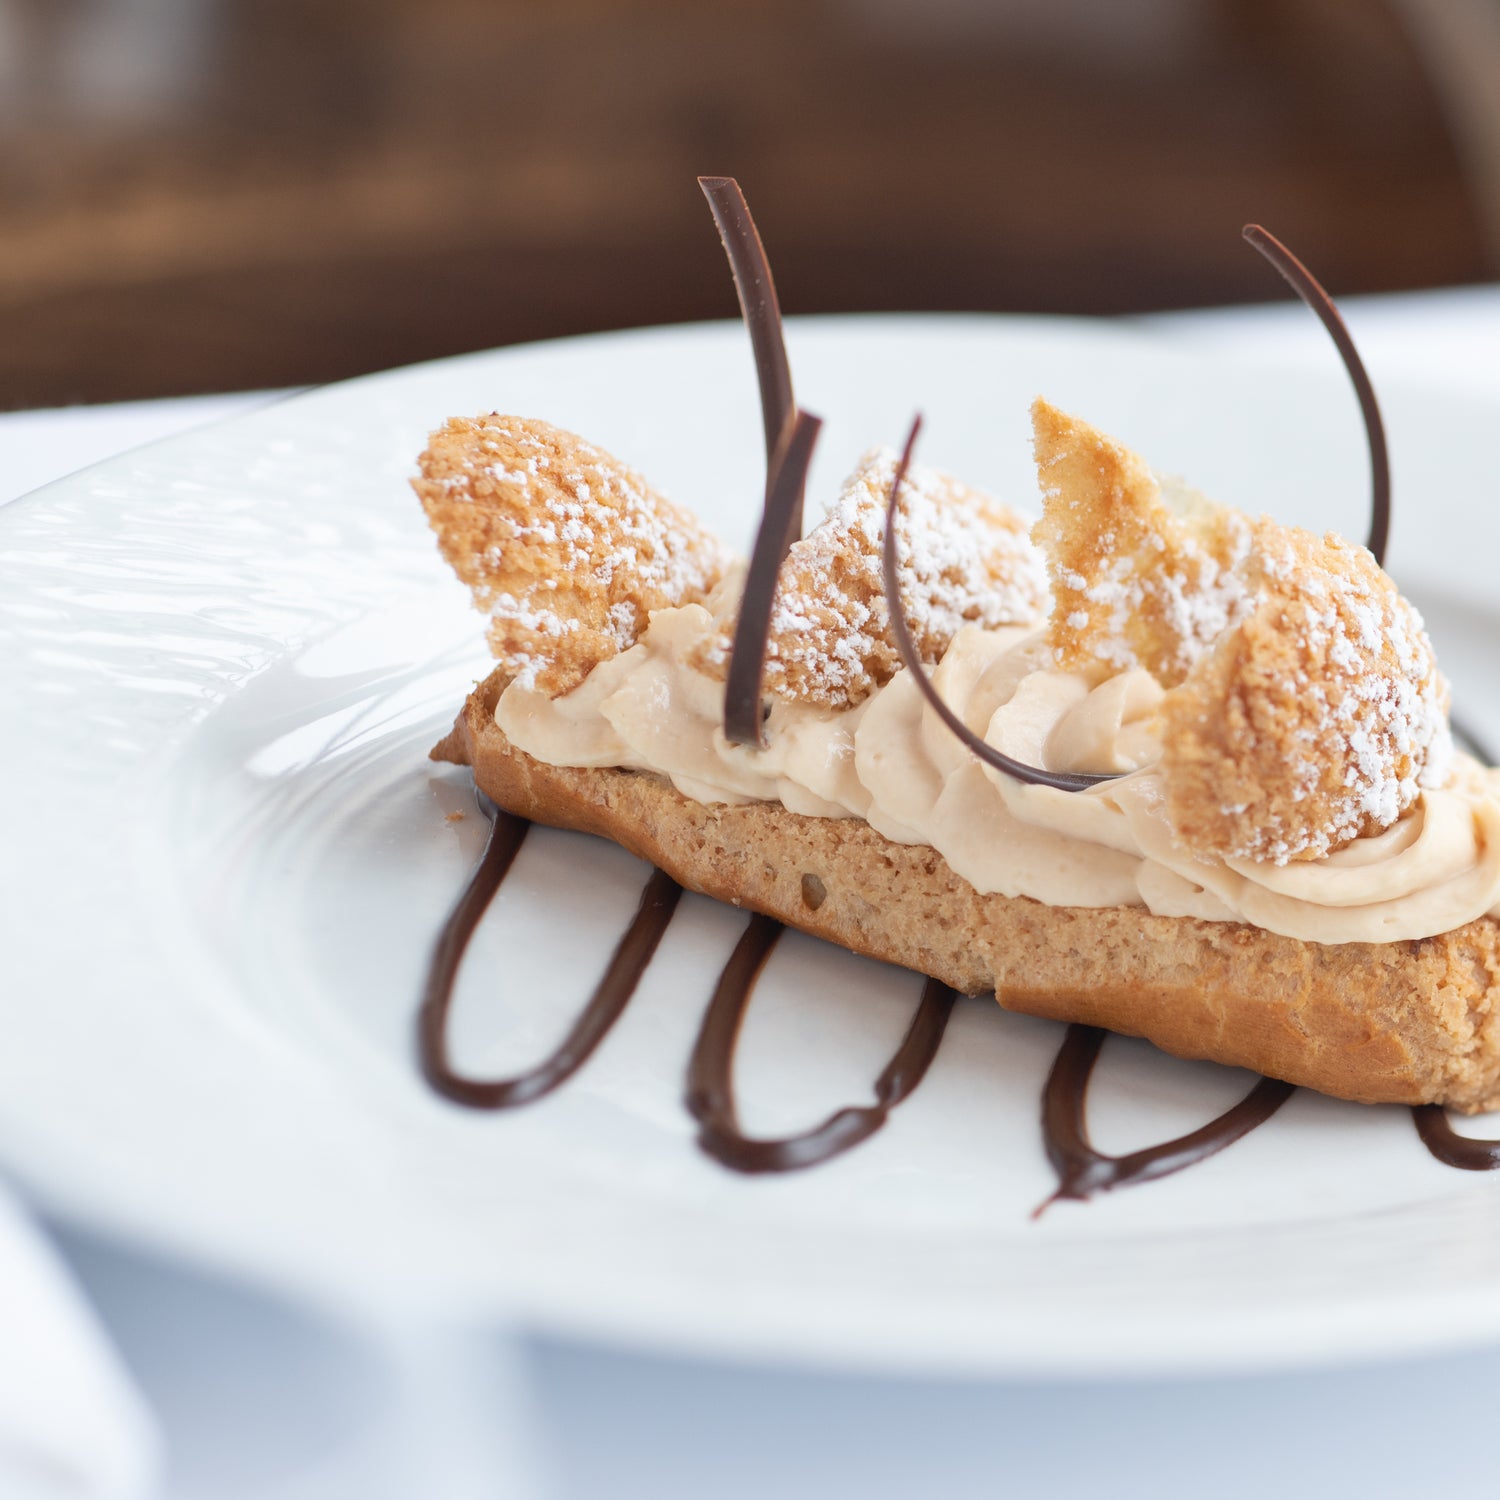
<point x="1403" y="1023"/>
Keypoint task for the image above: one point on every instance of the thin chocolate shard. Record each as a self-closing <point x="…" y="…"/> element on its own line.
<point x="789" y="443"/>
<point x="780" y="524"/>
<point x="758" y="306"/>
<point x="1307" y="287"/>
<point x="1065" y="781"/>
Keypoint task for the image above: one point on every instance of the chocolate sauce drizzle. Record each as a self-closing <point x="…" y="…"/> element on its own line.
<point x="1452" y="1149"/>
<point x="710" y="1091"/>
<point x="1083" y="1171"/>
<point x="605" y="1006"/>
<point x="1306" y="285"/>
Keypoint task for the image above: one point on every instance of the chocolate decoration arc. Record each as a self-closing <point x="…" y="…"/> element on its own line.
<point x="906" y="647"/>
<point x="788" y="453"/>
<point x="605" y="1006"/>
<point x="1468" y="1153"/>
<point x="1082" y="1171"/>
<point x="779" y="526"/>
<point x="759" y="306"/>
<point x="1307" y="287"/>
<point x="710" y="1081"/>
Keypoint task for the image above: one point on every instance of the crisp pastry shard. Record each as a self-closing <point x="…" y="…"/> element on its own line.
<point x="1135" y="582"/>
<point x="564" y="548"/>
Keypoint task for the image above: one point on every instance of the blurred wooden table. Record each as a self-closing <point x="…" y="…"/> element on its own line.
<point x="220" y="194"/>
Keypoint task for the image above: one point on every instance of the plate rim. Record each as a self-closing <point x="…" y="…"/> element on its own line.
<point x="1439" y="1327"/>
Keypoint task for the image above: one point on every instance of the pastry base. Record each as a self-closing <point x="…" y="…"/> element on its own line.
<point x="1379" y="1023"/>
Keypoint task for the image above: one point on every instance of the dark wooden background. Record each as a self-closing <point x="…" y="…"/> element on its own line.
<point x="219" y="194"/>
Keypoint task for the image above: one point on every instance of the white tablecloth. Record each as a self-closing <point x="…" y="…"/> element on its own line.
<point x="258" y="1399"/>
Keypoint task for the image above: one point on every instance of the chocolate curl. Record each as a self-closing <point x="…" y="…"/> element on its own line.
<point x="1064" y="781"/>
<point x="758" y="306"/>
<point x="789" y="443"/>
<point x="1305" y="284"/>
<point x="780" y="525"/>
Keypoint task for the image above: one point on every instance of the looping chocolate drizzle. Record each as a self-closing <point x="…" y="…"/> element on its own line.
<point x="710" y="1090"/>
<point x="605" y="1006"/>
<point x="1466" y="1152"/>
<point x="1082" y="1171"/>
<point x="710" y="1093"/>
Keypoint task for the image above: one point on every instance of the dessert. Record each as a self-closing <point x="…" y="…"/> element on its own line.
<point x="1201" y="789"/>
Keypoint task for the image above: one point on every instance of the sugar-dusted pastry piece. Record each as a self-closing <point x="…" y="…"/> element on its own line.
<point x="564" y="548"/>
<point x="1135" y="582"/>
<point x="1318" y="718"/>
<point x="1307" y="707"/>
<point x="963" y="559"/>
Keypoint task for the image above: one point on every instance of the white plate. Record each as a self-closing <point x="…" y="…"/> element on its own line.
<point x="225" y="857"/>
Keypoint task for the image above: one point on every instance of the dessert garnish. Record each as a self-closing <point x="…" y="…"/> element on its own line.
<point x="864" y="658"/>
<point x="503" y="485"/>
<point x="759" y="307"/>
<point x="790" y="436"/>
<point x="1076" y="597"/>
<point x="565" y="548"/>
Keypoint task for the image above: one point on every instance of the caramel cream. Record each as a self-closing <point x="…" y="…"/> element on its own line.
<point x="890" y="761"/>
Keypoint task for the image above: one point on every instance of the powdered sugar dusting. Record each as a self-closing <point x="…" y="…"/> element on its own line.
<point x="962" y="558"/>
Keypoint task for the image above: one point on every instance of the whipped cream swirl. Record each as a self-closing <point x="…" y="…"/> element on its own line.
<point x="890" y="761"/>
